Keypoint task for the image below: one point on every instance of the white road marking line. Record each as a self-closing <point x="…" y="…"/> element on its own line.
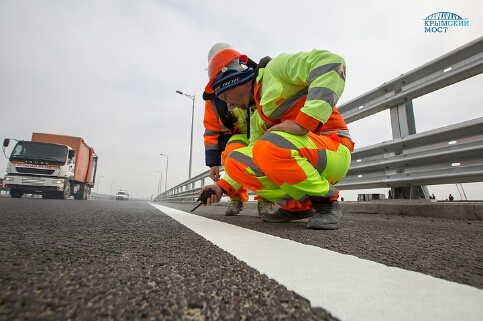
<point x="348" y="287"/>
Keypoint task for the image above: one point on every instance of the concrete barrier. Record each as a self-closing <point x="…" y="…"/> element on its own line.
<point x="424" y="208"/>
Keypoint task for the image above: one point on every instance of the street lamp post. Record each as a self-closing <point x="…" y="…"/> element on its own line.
<point x="99" y="183"/>
<point x="110" y="193"/>
<point x="157" y="179"/>
<point x="165" y="176"/>
<point x="192" y="97"/>
<point x="160" y="181"/>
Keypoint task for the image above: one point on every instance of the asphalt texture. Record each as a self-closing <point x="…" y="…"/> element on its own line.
<point x="108" y="260"/>
<point x="449" y="249"/>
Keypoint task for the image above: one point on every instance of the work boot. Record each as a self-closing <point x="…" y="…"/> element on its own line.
<point x="264" y="207"/>
<point x="283" y="216"/>
<point x="234" y="209"/>
<point x="327" y="216"/>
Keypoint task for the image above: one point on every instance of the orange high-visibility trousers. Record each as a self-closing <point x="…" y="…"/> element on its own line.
<point x="287" y="169"/>
<point x="235" y="142"/>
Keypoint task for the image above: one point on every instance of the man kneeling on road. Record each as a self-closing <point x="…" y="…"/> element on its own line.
<point x="300" y="145"/>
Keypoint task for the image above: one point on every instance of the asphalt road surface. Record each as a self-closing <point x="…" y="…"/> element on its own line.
<point x="108" y="260"/>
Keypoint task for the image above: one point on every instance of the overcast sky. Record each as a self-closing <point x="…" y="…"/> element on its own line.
<point x="108" y="71"/>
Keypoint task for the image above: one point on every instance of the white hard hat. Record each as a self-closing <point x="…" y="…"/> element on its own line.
<point x="217" y="47"/>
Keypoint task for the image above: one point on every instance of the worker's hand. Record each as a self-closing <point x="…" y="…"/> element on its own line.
<point x="215" y="173"/>
<point x="291" y="127"/>
<point x="215" y="198"/>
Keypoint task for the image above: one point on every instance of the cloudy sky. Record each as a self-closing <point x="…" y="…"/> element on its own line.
<point x="108" y="71"/>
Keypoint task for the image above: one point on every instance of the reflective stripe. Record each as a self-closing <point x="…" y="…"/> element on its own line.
<point x="288" y="103"/>
<point x="278" y="140"/>
<point x="332" y="191"/>
<point x="212" y="147"/>
<point x="323" y="93"/>
<point x="282" y="202"/>
<point x="340" y="133"/>
<point x="322" y="70"/>
<point x="322" y="160"/>
<point x="303" y="199"/>
<point x="212" y="132"/>
<point x="213" y="105"/>
<point x="247" y="161"/>
<point x="282" y="142"/>
<point x="316" y="93"/>
<point x="237" y="141"/>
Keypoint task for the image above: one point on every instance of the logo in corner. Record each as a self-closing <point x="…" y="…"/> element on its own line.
<point x="440" y="22"/>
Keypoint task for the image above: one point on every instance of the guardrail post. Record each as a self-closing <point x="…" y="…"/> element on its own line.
<point x="403" y="124"/>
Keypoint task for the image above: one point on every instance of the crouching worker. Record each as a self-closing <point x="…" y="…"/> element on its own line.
<point x="300" y="145"/>
<point x="225" y="131"/>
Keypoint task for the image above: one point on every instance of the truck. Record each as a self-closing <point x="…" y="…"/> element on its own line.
<point x="51" y="165"/>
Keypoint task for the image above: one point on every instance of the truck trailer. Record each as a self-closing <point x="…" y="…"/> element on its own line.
<point x="54" y="166"/>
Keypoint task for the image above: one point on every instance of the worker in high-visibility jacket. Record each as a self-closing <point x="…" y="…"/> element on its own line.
<point x="226" y="131"/>
<point x="300" y="146"/>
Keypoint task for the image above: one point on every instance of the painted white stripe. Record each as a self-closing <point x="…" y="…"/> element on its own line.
<point x="348" y="287"/>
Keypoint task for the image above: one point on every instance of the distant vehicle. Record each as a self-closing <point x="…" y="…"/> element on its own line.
<point x="54" y="166"/>
<point x="122" y="196"/>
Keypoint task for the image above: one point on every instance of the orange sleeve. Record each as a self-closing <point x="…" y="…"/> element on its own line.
<point x="227" y="188"/>
<point x="312" y="124"/>
<point x="212" y="127"/>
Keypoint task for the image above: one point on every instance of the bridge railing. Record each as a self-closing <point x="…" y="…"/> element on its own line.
<point x="455" y="66"/>
<point x="451" y="154"/>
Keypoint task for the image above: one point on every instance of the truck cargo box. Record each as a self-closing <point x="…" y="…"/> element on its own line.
<point x="84" y="154"/>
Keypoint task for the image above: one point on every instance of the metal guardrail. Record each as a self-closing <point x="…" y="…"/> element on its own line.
<point x="455" y="66"/>
<point x="451" y="154"/>
<point x="188" y="190"/>
<point x="95" y="195"/>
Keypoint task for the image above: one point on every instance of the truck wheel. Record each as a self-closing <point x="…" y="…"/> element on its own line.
<point x="16" y="193"/>
<point x="66" y="193"/>
<point x="80" y="193"/>
<point x="85" y="192"/>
